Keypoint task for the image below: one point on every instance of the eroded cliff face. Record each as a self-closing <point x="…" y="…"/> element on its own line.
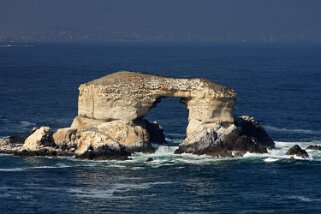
<point x="128" y="96"/>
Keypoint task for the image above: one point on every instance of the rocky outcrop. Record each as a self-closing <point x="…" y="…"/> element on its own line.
<point x="39" y="139"/>
<point x="110" y="123"/>
<point x="245" y="135"/>
<point x="314" y="147"/>
<point x="10" y="143"/>
<point x="65" y="138"/>
<point x="94" y="144"/>
<point x="296" y="150"/>
<point x="134" y="136"/>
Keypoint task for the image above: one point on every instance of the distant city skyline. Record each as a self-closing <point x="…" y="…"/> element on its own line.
<point x="215" y="21"/>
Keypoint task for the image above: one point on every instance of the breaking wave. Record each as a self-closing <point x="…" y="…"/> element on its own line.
<point x="19" y="169"/>
<point x="112" y="190"/>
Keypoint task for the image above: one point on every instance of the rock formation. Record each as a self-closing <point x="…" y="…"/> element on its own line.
<point x="110" y="121"/>
<point x="296" y="150"/>
<point x="314" y="147"/>
<point x="245" y="135"/>
<point x="40" y="138"/>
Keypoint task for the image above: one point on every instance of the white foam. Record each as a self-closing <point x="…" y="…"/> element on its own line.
<point x="19" y="169"/>
<point x="304" y="199"/>
<point x="114" y="188"/>
<point x="165" y="156"/>
<point x="137" y="168"/>
<point x="12" y="170"/>
<point x="270" y="160"/>
<point x="26" y="123"/>
<point x="6" y="46"/>
<point x="115" y="166"/>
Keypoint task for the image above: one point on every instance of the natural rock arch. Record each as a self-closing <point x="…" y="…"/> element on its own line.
<point x="172" y="114"/>
<point x="128" y="96"/>
<point x="110" y="123"/>
<point x="112" y="108"/>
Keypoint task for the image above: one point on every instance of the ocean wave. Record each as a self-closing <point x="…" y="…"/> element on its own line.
<point x="26" y="124"/>
<point x="7" y="46"/>
<point x="8" y="126"/>
<point x="113" y="189"/>
<point x="304" y="199"/>
<point x="19" y="169"/>
<point x="115" y="166"/>
<point x="271" y="159"/>
<point x="286" y="130"/>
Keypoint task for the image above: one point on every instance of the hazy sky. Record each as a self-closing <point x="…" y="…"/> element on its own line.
<point x="286" y="20"/>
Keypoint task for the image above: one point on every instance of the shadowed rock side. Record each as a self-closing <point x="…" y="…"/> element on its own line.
<point x="245" y="135"/>
<point x="110" y="123"/>
<point x="297" y="151"/>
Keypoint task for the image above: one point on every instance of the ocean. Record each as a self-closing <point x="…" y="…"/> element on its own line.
<point x="279" y="85"/>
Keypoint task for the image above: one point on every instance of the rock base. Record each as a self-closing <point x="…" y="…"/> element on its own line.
<point x="245" y="135"/>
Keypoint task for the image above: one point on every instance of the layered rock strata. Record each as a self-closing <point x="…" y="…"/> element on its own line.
<point x="129" y="96"/>
<point x="110" y="120"/>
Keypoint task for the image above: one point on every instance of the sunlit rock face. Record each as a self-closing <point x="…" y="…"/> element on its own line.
<point x="120" y="100"/>
<point x="128" y="96"/>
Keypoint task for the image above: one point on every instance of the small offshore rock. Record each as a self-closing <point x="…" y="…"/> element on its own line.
<point x="13" y="140"/>
<point x="10" y="144"/>
<point x="155" y="132"/>
<point x="314" y="147"/>
<point x="296" y="150"/>
<point x="149" y="159"/>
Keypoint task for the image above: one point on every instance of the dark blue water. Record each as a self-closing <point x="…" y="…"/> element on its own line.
<point x="278" y="85"/>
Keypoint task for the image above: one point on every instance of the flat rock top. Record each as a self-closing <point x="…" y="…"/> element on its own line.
<point x="127" y="80"/>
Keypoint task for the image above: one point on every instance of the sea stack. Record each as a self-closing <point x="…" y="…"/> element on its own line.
<point x="111" y="111"/>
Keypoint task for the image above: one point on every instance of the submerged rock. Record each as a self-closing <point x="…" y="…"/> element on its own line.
<point x="296" y="150"/>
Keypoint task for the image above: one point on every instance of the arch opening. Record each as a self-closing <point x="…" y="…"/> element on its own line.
<point x="171" y="113"/>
